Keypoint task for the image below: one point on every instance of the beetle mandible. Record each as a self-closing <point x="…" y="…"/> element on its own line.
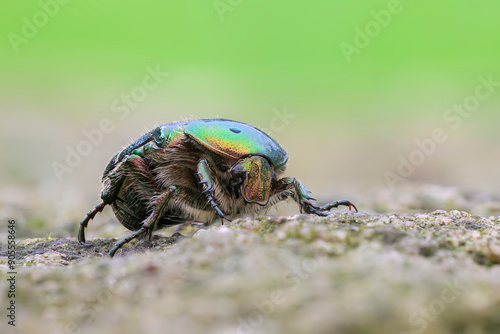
<point x="197" y="170"/>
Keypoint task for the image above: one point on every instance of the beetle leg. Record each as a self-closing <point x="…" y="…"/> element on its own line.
<point x="149" y="223"/>
<point x="300" y="194"/>
<point x="208" y="187"/>
<point x="90" y="215"/>
<point x="109" y="195"/>
<point x="337" y="204"/>
<point x="112" y="184"/>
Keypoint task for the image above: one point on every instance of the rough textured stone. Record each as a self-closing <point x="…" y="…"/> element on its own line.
<point x="349" y="272"/>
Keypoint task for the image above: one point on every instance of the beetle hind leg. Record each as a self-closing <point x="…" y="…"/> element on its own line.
<point x="90" y="215"/>
<point x="149" y="223"/>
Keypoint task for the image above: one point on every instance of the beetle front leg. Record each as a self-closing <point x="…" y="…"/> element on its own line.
<point x="208" y="187"/>
<point x="149" y="223"/>
<point x="301" y="195"/>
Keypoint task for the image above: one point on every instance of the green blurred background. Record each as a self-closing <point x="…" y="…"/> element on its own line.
<point x="249" y="61"/>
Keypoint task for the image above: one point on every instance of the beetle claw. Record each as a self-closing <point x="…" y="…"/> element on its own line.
<point x="323" y="211"/>
<point x="354" y="206"/>
<point x="222" y="217"/>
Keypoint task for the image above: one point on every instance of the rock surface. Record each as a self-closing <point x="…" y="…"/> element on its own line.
<point x="345" y="273"/>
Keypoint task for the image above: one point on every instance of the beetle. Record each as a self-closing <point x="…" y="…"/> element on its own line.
<point x="198" y="170"/>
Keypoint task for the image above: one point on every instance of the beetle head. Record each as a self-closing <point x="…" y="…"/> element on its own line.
<point x="256" y="175"/>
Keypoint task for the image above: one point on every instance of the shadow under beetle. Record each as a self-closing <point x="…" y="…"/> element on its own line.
<point x="196" y="171"/>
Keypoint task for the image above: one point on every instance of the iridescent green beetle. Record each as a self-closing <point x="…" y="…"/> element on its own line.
<point x="197" y="171"/>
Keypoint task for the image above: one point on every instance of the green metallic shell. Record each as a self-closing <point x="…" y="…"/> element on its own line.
<point x="235" y="140"/>
<point x="228" y="138"/>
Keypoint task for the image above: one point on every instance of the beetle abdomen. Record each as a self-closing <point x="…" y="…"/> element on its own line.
<point x="131" y="211"/>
